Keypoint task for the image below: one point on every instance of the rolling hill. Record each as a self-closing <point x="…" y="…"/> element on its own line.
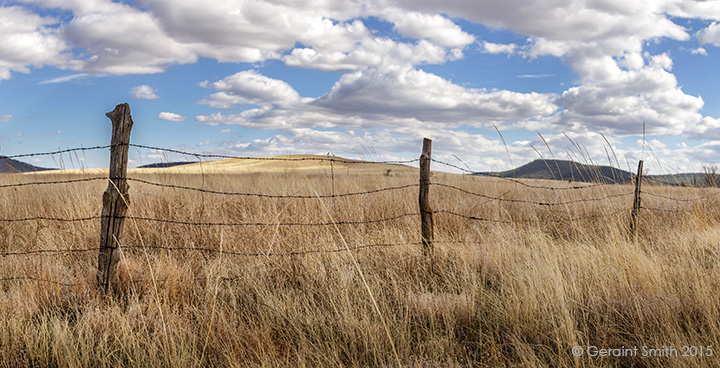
<point x="566" y="170"/>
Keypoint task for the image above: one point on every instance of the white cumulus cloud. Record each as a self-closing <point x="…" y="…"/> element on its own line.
<point x="497" y="48"/>
<point x="710" y="34"/>
<point x="249" y="87"/>
<point x="434" y="27"/>
<point x="143" y="92"/>
<point x="5" y="118"/>
<point x="371" y="97"/>
<point x="171" y="116"/>
<point x="27" y="39"/>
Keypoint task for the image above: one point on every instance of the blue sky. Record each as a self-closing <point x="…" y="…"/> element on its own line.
<point x="366" y="79"/>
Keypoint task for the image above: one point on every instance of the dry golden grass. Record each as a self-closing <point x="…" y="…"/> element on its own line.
<point x="515" y="293"/>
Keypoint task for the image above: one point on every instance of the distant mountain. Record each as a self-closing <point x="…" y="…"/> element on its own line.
<point x="567" y="170"/>
<point x="8" y="165"/>
<point x="686" y="179"/>
<point x="574" y="171"/>
<point x="164" y="164"/>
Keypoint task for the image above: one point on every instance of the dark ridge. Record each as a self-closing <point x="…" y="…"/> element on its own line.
<point x="164" y="164"/>
<point x="575" y="171"/>
<point x="568" y="171"/>
<point x="8" y="165"/>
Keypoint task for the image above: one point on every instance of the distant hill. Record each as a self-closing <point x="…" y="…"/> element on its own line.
<point x="686" y="179"/>
<point x="574" y="171"/>
<point x="164" y="164"/>
<point x="567" y="170"/>
<point x="8" y="165"/>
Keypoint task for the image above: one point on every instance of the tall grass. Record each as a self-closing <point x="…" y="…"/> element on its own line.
<point x="515" y="293"/>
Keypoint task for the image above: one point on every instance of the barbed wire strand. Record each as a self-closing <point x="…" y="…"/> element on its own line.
<point x="471" y="172"/>
<point x="475" y="218"/>
<point x="56" y="219"/>
<point x="272" y="254"/>
<point x="678" y="199"/>
<point x="319" y="158"/>
<point x="210" y="155"/>
<point x="48" y="251"/>
<point x="56" y="152"/>
<point x="180" y="222"/>
<point x="52" y="182"/>
<point x="529" y="201"/>
<point x="217" y="251"/>
<point x="273" y="195"/>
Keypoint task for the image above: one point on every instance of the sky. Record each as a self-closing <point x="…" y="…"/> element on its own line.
<point x="494" y="83"/>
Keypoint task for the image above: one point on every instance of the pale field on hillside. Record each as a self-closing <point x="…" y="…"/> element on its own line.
<point x="519" y="291"/>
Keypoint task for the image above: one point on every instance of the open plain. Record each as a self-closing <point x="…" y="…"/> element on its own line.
<point x="271" y="265"/>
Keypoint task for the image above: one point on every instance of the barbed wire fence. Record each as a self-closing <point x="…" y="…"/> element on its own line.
<point x="118" y="178"/>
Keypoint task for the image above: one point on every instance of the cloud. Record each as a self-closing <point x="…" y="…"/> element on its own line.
<point x="405" y="92"/>
<point x="6" y="118"/>
<point x="120" y="39"/>
<point x="255" y="30"/>
<point x="710" y="34"/>
<point x="434" y="27"/>
<point x="535" y="75"/>
<point x="143" y="92"/>
<point x="66" y="78"/>
<point x="372" y="51"/>
<point x="497" y="48"/>
<point x="618" y="101"/>
<point x="371" y="97"/>
<point x="27" y="39"/>
<point x="618" y="85"/>
<point x="170" y="116"/>
<point x="117" y="38"/>
<point x="699" y="51"/>
<point x="568" y="21"/>
<point x="249" y="87"/>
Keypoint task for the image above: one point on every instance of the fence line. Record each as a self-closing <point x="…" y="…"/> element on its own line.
<point x="48" y="251"/>
<point x="57" y="219"/>
<point x="680" y="199"/>
<point x="209" y="155"/>
<point x="320" y="158"/>
<point x="58" y="152"/>
<point x="117" y="179"/>
<point x="528" y="201"/>
<point x="514" y="221"/>
<point x="244" y="194"/>
<point x="179" y="222"/>
<point x="52" y="182"/>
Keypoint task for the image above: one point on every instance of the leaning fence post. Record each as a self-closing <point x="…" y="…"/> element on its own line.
<point x="636" y="202"/>
<point x="115" y="197"/>
<point x="426" y="219"/>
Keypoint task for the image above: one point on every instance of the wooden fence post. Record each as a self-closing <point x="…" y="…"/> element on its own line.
<point x="636" y="202"/>
<point x="426" y="219"/>
<point x="115" y="197"/>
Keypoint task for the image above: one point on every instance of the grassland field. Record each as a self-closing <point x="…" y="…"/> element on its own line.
<point x="519" y="292"/>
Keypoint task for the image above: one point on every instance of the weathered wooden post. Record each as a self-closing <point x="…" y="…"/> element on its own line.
<point x="636" y="202"/>
<point x="115" y="197"/>
<point x="426" y="219"/>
